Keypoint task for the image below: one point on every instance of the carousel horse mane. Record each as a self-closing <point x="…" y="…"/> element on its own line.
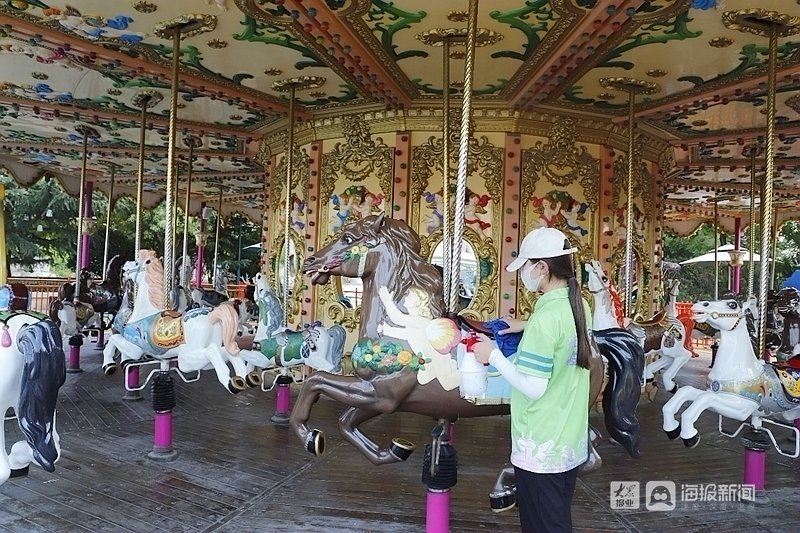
<point x="616" y="301"/>
<point x="411" y="270"/>
<point x="154" y="275"/>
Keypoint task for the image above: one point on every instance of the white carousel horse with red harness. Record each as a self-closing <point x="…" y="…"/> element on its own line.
<point x="200" y="338"/>
<point x="662" y="334"/>
<point x="740" y="386"/>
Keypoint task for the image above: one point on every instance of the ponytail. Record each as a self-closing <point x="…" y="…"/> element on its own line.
<point x="579" y="315"/>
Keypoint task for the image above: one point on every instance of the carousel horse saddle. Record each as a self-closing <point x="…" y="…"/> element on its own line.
<point x="789" y="377"/>
<point x="654" y="321"/>
<point x="167" y="330"/>
<point x="475" y="325"/>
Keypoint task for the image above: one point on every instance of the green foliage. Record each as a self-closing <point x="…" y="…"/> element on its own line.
<point x="41" y="228"/>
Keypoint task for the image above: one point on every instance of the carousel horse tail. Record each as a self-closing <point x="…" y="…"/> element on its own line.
<point x="226" y="315"/>
<point x="626" y="365"/>
<point x="338" y="337"/>
<point x="44" y="372"/>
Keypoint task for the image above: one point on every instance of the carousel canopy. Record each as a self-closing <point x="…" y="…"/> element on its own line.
<point x="86" y="62"/>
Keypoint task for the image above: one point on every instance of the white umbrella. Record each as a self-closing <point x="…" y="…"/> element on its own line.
<point x="722" y="256"/>
<point x="253" y="246"/>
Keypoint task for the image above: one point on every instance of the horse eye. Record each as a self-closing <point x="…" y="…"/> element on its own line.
<point x="733" y="305"/>
<point x="347" y="239"/>
<point x="605" y="279"/>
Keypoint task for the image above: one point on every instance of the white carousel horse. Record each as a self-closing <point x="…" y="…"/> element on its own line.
<point x="740" y="386"/>
<point x="201" y="339"/>
<point x="660" y="335"/>
<point x="32" y="370"/>
<point x="316" y="346"/>
<point x="62" y="313"/>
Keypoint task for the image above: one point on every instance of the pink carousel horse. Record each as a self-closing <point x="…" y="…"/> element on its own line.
<point x="200" y="338"/>
<point x="32" y="370"/>
<point x="403" y="360"/>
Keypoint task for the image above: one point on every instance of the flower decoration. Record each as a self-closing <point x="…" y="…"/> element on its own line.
<point x="356" y="252"/>
<point x="388" y="356"/>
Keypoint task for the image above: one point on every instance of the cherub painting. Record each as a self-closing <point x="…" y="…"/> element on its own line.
<point x="620" y="231"/>
<point x="435" y="215"/>
<point x="476" y="215"/>
<point x="354" y="203"/>
<point x="559" y="208"/>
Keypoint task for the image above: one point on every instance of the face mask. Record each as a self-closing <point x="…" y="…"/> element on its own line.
<point x="531" y="283"/>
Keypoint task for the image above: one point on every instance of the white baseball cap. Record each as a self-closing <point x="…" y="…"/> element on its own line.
<point x="540" y="243"/>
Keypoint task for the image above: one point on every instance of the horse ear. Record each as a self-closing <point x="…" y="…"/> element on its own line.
<point x="380" y="222"/>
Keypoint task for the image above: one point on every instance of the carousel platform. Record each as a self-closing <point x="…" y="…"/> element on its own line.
<point x="236" y="472"/>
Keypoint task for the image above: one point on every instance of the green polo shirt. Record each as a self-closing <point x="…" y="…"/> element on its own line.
<point x="550" y="435"/>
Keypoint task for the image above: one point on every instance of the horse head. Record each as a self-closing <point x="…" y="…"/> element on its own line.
<point x="382" y="252"/>
<point x="787" y="302"/>
<point x="270" y="311"/>
<point x="598" y="281"/>
<point x="724" y="315"/>
<point x="673" y="287"/>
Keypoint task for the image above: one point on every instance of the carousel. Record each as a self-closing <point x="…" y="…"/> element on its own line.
<point x="394" y="155"/>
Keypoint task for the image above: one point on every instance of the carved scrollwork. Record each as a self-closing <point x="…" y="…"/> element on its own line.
<point x="334" y="309"/>
<point x="300" y="176"/>
<point x="666" y="161"/>
<point x="561" y="163"/>
<point x="483" y="303"/>
<point x="357" y="159"/>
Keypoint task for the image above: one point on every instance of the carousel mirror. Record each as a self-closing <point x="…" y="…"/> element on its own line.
<point x="295" y="266"/>
<point x="349" y="291"/>
<point x="468" y="282"/>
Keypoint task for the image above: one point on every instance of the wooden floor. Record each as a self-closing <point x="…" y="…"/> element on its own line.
<point x="237" y="473"/>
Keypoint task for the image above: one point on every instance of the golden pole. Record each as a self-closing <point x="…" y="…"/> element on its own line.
<point x="632" y="87"/>
<point x="188" y="25"/>
<point x="753" y="150"/>
<point x="716" y="251"/>
<point x="463" y="151"/>
<point x="143" y="100"/>
<point x="773" y="25"/>
<point x="447" y="222"/>
<point x="113" y="167"/>
<point x="86" y="132"/>
<point x="192" y="141"/>
<point x="216" y="240"/>
<point x="291" y="85"/>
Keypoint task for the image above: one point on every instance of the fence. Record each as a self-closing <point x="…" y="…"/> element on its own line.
<point x="42" y="291"/>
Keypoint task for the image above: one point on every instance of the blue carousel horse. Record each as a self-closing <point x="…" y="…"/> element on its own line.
<point x="200" y="338"/>
<point x="32" y="370"/>
<point x="316" y="346"/>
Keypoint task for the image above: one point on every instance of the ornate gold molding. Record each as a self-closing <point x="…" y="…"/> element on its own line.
<point x="300" y="175"/>
<point x="332" y="307"/>
<point x="297" y="285"/>
<point x="561" y="163"/>
<point x="357" y="159"/>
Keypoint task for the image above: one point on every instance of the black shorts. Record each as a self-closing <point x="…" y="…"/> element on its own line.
<point x="545" y="500"/>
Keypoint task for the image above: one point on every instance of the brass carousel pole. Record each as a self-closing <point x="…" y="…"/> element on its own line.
<point x="113" y="168"/>
<point x="632" y="87"/>
<point x="192" y="141"/>
<point x="163" y="389"/>
<point x="292" y="85"/>
<point x="142" y="100"/>
<point x="216" y="240"/>
<point x="86" y="132"/>
<point x="774" y="25"/>
<point x="185" y="25"/>
<point x="753" y="150"/>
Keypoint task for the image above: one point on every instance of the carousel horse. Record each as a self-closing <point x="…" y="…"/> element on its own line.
<point x="182" y="296"/>
<point x="316" y="346"/>
<point x="787" y="303"/>
<point x="671" y="310"/>
<point x="402" y="343"/>
<point x="200" y="339"/>
<point x="212" y="298"/>
<point x="62" y="313"/>
<point x="84" y="312"/>
<point x="246" y="308"/>
<point x="32" y="370"/>
<point x="740" y="386"/>
<point x="625" y="357"/>
<point x="661" y="334"/>
<point x="105" y="297"/>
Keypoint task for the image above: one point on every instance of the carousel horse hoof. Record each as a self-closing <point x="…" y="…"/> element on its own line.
<point x="503" y="501"/>
<point x="692" y="442"/>
<point x="236" y="384"/>
<point x="315" y="442"/>
<point x="20" y="472"/>
<point x="253" y="379"/>
<point x="110" y="369"/>
<point x="401" y="449"/>
<point x="674" y="389"/>
<point x="674" y="433"/>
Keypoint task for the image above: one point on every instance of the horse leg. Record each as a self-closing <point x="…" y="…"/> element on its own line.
<point x="5" y="467"/>
<point x="651" y="369"/>
<point x="348" y="427"/>
<point x="671" y="425"/>
<point x="692" y="413"/>
<point x="679" y="357"/>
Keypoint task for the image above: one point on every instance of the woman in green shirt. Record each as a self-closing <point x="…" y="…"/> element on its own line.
<point x="550" y="380"/>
